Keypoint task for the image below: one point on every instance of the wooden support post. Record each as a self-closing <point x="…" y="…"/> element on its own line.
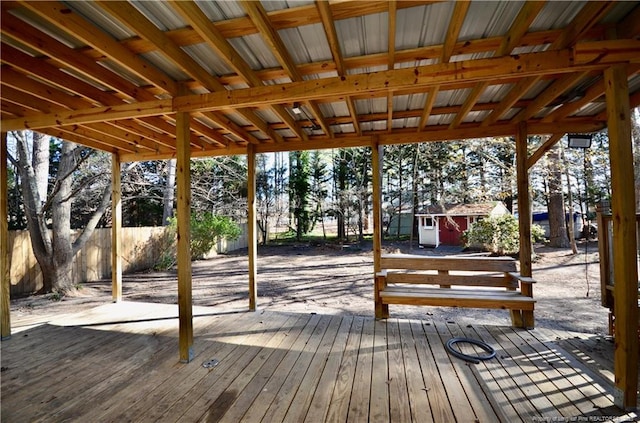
<point x="116" y="230"/>
<point x="381" y="310"/>
<point x="524" y="318"/>
<point x="251" y="226"/>
<point x="5" y="277"/>
<point x="625" y="290"/>
<point x="183" y="213"/>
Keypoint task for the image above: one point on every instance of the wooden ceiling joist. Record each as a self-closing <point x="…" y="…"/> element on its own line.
<point x="69" y="87"/>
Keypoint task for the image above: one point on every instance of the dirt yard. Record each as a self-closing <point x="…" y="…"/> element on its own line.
<point x="333" y="280"/>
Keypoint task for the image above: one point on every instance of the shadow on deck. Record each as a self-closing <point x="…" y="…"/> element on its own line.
<point x="119" y="362"/>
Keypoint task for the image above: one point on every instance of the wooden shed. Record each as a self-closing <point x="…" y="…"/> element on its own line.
<point x="183" y="79"/>
<point x="445" y="223"/>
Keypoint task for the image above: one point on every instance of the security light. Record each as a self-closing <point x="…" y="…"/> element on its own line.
<point x="579" y="140"/>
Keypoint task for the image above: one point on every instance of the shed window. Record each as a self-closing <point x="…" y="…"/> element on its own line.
<point x="427" y="222"/>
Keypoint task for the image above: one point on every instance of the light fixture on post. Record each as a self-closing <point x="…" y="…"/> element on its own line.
<point x="579" y="140"/>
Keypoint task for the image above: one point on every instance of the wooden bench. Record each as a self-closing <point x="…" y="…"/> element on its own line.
<point x="454" y="281"/>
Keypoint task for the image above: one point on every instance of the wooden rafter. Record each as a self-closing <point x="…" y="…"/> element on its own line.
<point x="534" y="64"/>
<point x="64" y="18"/>
<point x="542" y="150"/>
<point x="527" y="14"/>
<point x="453" y="30"/>
<point x="391" y="58"/>
<point x="520" y="26"/>
<point x="552" y="92"/>
<point x="585" y="19"/>
<point x="135" y="20"/>
<point x="259" y="17"/>
<point x="594" y="92"/>
<point x="336" y="53"/>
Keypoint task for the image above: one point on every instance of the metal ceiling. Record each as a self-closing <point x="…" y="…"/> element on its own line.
<point x="59" y="58"/>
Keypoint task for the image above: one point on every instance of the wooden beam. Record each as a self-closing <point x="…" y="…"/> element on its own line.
<point x="334" y="44"/>
<point x="469" y="102"/>
<point x="630" y="26"/>
<point x="534" y="64"/>
<point x="453" y="30"/>
<point x="552" y="92"/>
<point x="183" y="213"/>
<point x="207" y="30"/>
<point x="586" y="18"/>
<point x="381" y="310"/>
<point x="375" y="83"/>
<point x="524" y="217"/>
<point x="518" y="90"/>
<point x="5" y="275"/>
<point x="408" y="136"/>
<point x="70" y="58"/>
<point x="520" y="26"/>
<point x="542" y="150"/>
<point x="252" y="239"/>
<point x="116" y="230"/>
<point x="428" y="107"/>
<point x="70" y="22"/>
<point x="625" y="247"/>
<point x="96" y="114"/>
<point x="391" y="51"/>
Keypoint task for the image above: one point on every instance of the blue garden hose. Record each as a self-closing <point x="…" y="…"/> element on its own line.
<point x="471" y="358"/>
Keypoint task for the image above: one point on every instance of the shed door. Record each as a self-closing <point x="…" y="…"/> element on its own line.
<point x="450" y="232"/>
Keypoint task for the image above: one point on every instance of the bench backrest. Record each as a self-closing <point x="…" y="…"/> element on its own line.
<point x="449" y="270"/>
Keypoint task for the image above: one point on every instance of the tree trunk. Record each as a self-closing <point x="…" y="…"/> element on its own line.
<point x="167" y="201"/>
<point x="61" y="278"/>
<point x="54" y="250"/>
<point x="557" y="228"/>
<point x="635" y="139"/>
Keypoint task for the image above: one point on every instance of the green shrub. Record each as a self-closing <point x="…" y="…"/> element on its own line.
<point x="206" y="229"/>
<point x="498" y="235"/>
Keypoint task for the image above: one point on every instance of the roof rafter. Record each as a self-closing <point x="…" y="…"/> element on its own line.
<point x="527" y="14"/>
<point x="533" y="64"/>
<point x="135" y="20"/>
<point x="70" y="22"/>
<point x="453" y="31"/>
<point x="259" y="17"/>
<point x="334" y="44"/>
<point x="391" y="50"/>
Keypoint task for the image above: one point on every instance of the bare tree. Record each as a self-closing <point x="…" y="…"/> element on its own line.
<point x="557" y="229"/>
<point x="167" y="202"/>
<point x="48" y="203"/>
<point x="635" y="137"/>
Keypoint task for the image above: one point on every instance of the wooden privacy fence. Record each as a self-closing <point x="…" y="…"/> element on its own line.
<point x="141" y="247"/>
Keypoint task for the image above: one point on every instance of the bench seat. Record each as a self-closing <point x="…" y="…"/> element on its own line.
<point x="454" y="281"/>
<point x="452" y="297"/>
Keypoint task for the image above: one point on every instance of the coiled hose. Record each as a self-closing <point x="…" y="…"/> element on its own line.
<point x="471" y="358"/>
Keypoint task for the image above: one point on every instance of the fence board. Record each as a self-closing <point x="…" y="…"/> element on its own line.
<point x="140" y="251"/>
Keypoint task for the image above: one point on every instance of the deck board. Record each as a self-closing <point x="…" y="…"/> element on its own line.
<point x="119" y="363"/>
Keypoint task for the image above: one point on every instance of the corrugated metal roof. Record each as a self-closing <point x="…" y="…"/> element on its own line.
<point x="307" y="43"/>
<point x="556" y="14"/>
<point x="489" y="19"/>
<point x="206" y="57"/>
<point x="255" y="51"/>
<point x="221" y="10"/>
<point x="411" y="32"/>
<point x="160" y="13"/>
<point x="363" y="35"/>
<point x="95" y="14"/>
<point x="420" y="31"/>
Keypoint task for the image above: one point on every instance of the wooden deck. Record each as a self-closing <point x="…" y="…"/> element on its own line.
<point x="119" y="363"/>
